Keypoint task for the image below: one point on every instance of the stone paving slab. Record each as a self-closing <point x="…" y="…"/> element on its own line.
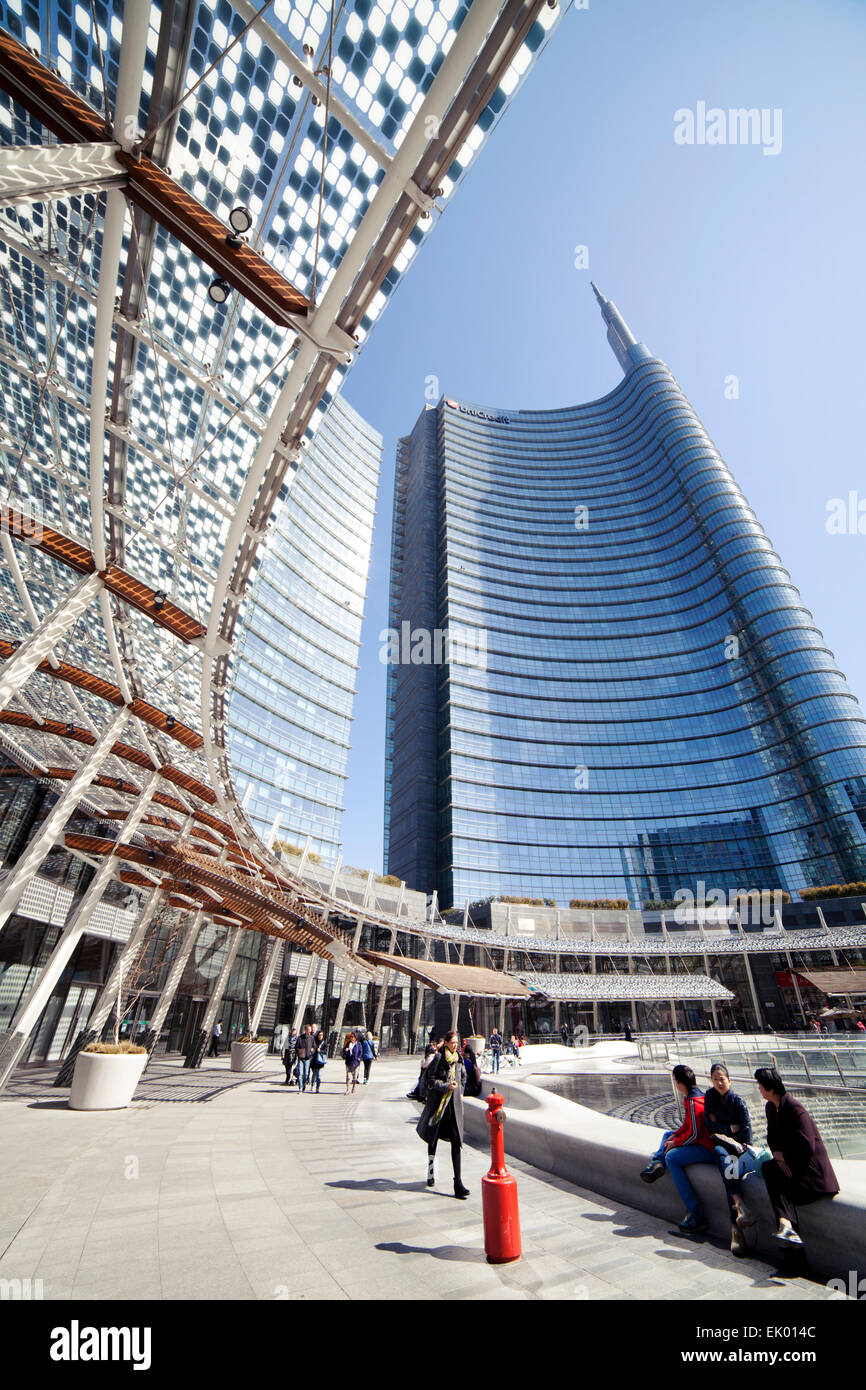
<point x="212" y="1186"/>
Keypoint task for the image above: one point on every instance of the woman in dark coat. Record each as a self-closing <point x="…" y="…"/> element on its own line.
<point x="473" y="1072"/>
<point x="442" y="1116"/>
<point x="800" y="1171"/>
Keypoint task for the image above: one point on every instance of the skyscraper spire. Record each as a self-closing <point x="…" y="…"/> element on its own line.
<point x="627" y="349"/>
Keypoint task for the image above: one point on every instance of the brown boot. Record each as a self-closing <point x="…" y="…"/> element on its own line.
<point x="738" y="1244"/>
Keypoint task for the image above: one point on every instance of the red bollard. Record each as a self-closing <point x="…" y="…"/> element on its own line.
<point x="499" y="1194"/>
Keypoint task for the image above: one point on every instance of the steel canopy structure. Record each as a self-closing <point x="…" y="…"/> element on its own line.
<point x="205" y="208"/>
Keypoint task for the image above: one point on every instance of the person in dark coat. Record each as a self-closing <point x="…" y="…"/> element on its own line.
<point x="495" y="1048"/>
<point x="473" y="1072"/>
<point x="352" y="1057"/>
<point x="317" y="1062"/>
<point x="289" y="1055"/>
<point x="442" y="1116"/>
<point x="305" y="1046"/>
<point x="800" y="1171"/>
<point x="429" y="1052"/>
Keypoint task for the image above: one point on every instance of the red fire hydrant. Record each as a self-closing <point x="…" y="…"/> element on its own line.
<point x="499" y="1194"/>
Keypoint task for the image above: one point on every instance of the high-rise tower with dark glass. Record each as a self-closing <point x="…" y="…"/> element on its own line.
<point x="647" y="704"/>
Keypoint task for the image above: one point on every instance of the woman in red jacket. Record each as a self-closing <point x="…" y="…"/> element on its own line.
<point x="691" y="1143"/>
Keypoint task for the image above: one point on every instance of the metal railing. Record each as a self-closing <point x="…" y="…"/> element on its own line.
<point x="793" y="1056"/>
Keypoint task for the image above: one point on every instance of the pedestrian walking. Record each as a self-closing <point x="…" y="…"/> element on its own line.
<point x="216" y="1034"/>
<point x="442" y="1116"/>
<point x="352" y="1057"/>
<point x="289" y="1055"/>
<point x="495" y="1049"/>
<point x="317" y="1062"/>
<point x="369" y="1053"/>
<point x="563" y="1033"/>
<point x="304" y="1049"/>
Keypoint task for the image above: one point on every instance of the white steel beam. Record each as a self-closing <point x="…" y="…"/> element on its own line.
<point x="133" y="47"/>
<point x="28" y="1016"/>
<point x="383" y="989"/>
<point x="36" y="648"/>
<point x="275" y="954"/>
<point x="33" y="618"/>
<point x="233" y="936"/>
<point x="349" y="980"/>
<point x="13" y="886"/>
<point x="314" y="965"/>
<point x="123" y="963"/>
<point x="175" y="974"/>
<point x="41" y="173"/>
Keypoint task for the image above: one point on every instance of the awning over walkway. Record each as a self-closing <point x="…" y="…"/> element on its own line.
<point x="453" y="979"/>
<point x="626" y="987"/>
<point x="836" y="981"/>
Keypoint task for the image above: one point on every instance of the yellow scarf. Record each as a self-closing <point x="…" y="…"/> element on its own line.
<point x="451" y="1058"/>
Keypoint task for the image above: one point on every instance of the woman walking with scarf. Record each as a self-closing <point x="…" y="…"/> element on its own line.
<point x="442" y="1116"/>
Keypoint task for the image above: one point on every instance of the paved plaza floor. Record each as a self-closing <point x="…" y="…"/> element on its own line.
<point x="212" y="1186"/>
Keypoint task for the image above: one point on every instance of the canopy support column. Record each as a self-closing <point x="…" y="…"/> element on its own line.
<point x="383" y="991"/>
<point x="348" y="980"/>
<point x="29" y="1015"/>
<point x="172" y="981"/>
<point x="274" y="954"/>
<point x="19" y="667"/>
<point x="41" y="847"/>
<point x="197" y="1053"/>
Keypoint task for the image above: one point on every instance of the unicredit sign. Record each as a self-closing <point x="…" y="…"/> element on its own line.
<point x="477" y="414"/>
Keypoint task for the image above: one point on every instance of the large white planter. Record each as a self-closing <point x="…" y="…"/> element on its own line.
<point x="478" y="1045"/>
<point x="248" y="1056"/>
<point x="105" y="1080"/>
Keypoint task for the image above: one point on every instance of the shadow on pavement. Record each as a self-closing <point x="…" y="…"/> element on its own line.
<point x="377" y="1185"/>
<point x="439" y="1252"/>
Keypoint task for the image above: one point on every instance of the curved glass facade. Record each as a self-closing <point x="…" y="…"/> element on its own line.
<point x="291" y="706"/>
<point x="655" y="707"/>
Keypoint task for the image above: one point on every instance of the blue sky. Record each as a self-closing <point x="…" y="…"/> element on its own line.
<point x="724" y="260"/>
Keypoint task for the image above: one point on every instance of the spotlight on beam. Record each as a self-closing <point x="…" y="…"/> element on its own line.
<point x="240" y="220"/>
<point x="218" y="291"/>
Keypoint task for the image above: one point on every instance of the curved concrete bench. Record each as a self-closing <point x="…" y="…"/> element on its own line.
<point x="605" y="1155"/>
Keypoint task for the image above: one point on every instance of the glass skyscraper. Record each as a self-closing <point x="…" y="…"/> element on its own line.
<point x="291" y="706"/>
<point x="646" y="703"/>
